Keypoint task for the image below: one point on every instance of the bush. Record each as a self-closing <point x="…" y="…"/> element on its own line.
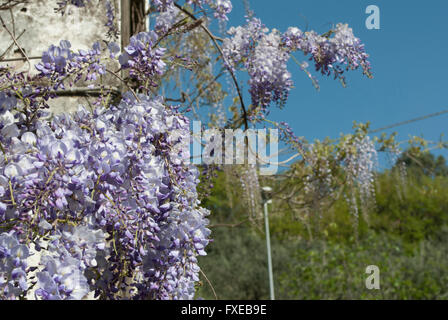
<point x="328" y="270"/>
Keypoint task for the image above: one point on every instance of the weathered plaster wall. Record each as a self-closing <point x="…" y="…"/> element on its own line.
<point x="43" y="27"/>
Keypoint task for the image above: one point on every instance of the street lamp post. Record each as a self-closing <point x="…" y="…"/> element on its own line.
<point x="266" y="201"/>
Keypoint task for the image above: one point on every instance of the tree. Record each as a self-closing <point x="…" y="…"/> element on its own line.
<point x="424" y="163"/>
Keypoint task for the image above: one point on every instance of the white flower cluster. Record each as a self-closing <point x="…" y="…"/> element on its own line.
<point x="361" y="165"/>
<point x="251" y="188"/>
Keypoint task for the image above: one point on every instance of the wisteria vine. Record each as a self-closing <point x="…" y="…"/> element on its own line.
<point x="103" y="203"/>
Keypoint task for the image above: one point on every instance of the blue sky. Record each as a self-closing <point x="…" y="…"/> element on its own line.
<point x="408" y="62"/>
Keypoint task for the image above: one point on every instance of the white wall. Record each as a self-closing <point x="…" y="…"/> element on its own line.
<point x="43" y="27"/>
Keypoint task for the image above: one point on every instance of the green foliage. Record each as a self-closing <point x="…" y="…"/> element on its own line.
<point x="330" y="270"/>
<point x="236" y="265"/>
<point x="315" y="252"/>
<point x="410" y="202"/>
<point x="237" y="268"/>
<point x="415" y="210"/>
<point x="424" y="164"/>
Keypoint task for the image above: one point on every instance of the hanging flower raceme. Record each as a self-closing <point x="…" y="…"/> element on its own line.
<point x="332" y="53"/>
<point x="265" y="56"/>
<point x="62" y="5"/>
<point x="104" y="203"/>
<point x="13" y="267"/>
<point x="167" y="19"/>
<point x="269" y="78"/>
<point x="221" y="8"/>
<point x="251" y="191"/>
<point x="68" y="254"/>
<point x="112" y="29"/>
<point x="59" y="63"/>
<point x="163" y="5"/>
<point x="109" y="193"/>
<point x="143" y="61"/>
<point x="361" y="165"/>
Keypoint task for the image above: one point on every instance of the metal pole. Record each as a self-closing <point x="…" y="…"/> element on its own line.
<point x="268" y="245"/>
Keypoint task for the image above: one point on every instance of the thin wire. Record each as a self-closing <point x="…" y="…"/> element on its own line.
<point x="410" y="121"/>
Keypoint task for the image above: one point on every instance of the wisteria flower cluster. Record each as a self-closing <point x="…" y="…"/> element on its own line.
<point x="62" y="265"/>
<point x="239" y="47"/>
<point x="59" y="63"/>
<point x="62" y="5"/>
<point x="163" y="5"/>
<point x="221" y="8"/>
<point x="332" y="53"/>
<point x="262" y="55"/>
<point x="166" y="20"/>
<point x="112" y="29"/>
<point x="250" y="185"/>
<point x="270" y="79"/>
<point x="265" y="56"/>
<point x="143" y="61"/>
<point x="361" y="165"/>
<point x="101" y="196"/>
<point x="320" y="180"/>
<point x="13" y="266"/>
<point x="27" y="95"/>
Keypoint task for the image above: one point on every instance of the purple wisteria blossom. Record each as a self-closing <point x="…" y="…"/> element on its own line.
<point x="270" y="79"/>
<point x="13" y="267"/>
<point x="111" y="190"/>
<point x="332" y="53"/>
<point x="62" y="5"/>
<point x="143" y="61"/>
<point x="221" y="8"/>
<point x="112" y="28"/>
<point x="265" y="56"/>
<point x="166" y="19"/>
<point x="59" y="63"/>
<point x="262" y="54"/>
